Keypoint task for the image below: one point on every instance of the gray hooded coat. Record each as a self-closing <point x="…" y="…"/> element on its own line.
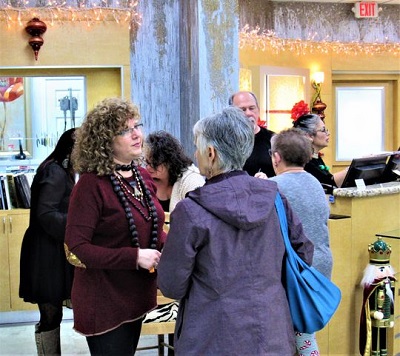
<point x="223" y="261"/>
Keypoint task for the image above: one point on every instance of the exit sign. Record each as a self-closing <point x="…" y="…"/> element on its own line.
<point x="366" y="9"/>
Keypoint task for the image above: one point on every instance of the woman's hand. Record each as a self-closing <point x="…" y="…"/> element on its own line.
<point x="148" y="258"/>
<point x="261" y="175"/>
<point x="340" y="176"/>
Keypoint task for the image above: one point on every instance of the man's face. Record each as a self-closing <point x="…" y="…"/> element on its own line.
<point x="247" y="103"/>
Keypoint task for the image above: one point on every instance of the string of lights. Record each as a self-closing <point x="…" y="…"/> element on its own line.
<point x="266" y="40"/>
<point x="18" y="12"/>
<point x="57" y="12"/>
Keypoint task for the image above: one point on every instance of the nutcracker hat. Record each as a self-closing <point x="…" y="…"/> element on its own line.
<point x="379" y="252"/>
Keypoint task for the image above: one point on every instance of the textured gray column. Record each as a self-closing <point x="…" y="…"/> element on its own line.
<point x="184" y="62"/>
<point x="155" y="65"/>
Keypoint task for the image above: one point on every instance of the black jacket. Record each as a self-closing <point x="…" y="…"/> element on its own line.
<point x="45" y="274"/>
<point x="260" y="160"/>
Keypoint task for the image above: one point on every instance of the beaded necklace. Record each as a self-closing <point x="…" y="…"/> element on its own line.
<point x="137" y="189"/>
<point x="125" y="197"/>
<point x="124" y="167"/>
<point x="323" y="167"/>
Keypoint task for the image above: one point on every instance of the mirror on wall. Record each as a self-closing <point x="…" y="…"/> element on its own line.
<point x="34" y="112"/>
<point x="282" y="92"/>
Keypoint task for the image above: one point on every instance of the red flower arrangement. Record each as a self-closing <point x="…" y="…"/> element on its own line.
<point x="299" y="109"/>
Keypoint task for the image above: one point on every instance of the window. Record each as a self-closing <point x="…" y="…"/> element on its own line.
<point x="360" y="120"/>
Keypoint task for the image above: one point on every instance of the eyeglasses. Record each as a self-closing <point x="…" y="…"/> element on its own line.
<point x="323" y="130"/>
<point x="270" y="152"/>
<point x="129" y="130"/>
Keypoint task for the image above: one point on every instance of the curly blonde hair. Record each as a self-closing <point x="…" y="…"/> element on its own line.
<point x="93" y="150"/>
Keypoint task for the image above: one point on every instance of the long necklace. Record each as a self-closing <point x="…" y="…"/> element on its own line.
<point x="137" y="189"/>
<point x="126" y="202"/>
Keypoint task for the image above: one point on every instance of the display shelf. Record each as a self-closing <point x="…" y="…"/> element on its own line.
<point x="18" y="166"/>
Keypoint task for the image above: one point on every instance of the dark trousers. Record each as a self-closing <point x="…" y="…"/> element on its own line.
<point x="120" y="341"/>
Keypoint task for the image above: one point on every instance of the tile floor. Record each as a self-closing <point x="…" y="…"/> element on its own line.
<point x="17" y="336"/>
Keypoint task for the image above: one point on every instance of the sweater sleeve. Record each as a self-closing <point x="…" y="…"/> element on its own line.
<point x="179" y="250"/>
<point x="190" y="180"/>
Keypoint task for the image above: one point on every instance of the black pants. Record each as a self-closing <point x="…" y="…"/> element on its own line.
<point x="120" y="341"/>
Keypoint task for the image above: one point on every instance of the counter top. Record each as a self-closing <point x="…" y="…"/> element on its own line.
<point x="369" y="191"/>
<point x="394" y="234"/>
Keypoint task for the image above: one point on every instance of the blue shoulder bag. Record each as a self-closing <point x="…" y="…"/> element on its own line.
<point x="313" y="298"/>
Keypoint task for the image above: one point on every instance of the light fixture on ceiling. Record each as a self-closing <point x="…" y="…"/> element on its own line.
<point x="318" y="106"/>
<point x="36" y="28"/>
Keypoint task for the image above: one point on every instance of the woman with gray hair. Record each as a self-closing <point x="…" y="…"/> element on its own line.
<point x="224" y="251"/>
<point x="290" y="151"/>
<point x="319" y="135"/>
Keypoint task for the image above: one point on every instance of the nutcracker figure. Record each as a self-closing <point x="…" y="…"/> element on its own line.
<point x="378" y="302"/>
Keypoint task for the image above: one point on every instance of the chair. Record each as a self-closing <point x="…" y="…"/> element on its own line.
<point x="161" y="328"/>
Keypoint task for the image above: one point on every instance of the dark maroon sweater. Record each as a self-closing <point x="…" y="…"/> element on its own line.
<point x="111" y="290"/>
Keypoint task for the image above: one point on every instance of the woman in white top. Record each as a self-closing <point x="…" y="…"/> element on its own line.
<point x="174" y="174"/>
<point x="172" y="170"/>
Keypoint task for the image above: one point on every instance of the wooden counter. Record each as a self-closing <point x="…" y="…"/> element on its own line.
<point x="375" y="210"/>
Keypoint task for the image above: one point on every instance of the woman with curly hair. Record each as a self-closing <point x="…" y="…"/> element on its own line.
<point x="114" y="230"/>
<point x="172" y="170"/>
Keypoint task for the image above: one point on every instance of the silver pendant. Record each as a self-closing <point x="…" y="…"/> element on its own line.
<point x="137" y="193"/>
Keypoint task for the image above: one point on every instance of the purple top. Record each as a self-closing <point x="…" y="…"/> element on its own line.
<point x="223" y="260"/>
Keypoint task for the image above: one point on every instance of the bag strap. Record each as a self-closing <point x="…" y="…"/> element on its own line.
<point x="291" y="254"/>
<point x="280" y="209"/>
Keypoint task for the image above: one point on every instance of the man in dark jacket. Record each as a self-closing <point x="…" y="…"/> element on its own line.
<point x="259" y="161"/>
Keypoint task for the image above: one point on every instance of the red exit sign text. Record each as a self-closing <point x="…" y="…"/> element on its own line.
<point x="365" y="9"/>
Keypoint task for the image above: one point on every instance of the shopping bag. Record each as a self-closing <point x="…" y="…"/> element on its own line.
<point x="313" y="298"/>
